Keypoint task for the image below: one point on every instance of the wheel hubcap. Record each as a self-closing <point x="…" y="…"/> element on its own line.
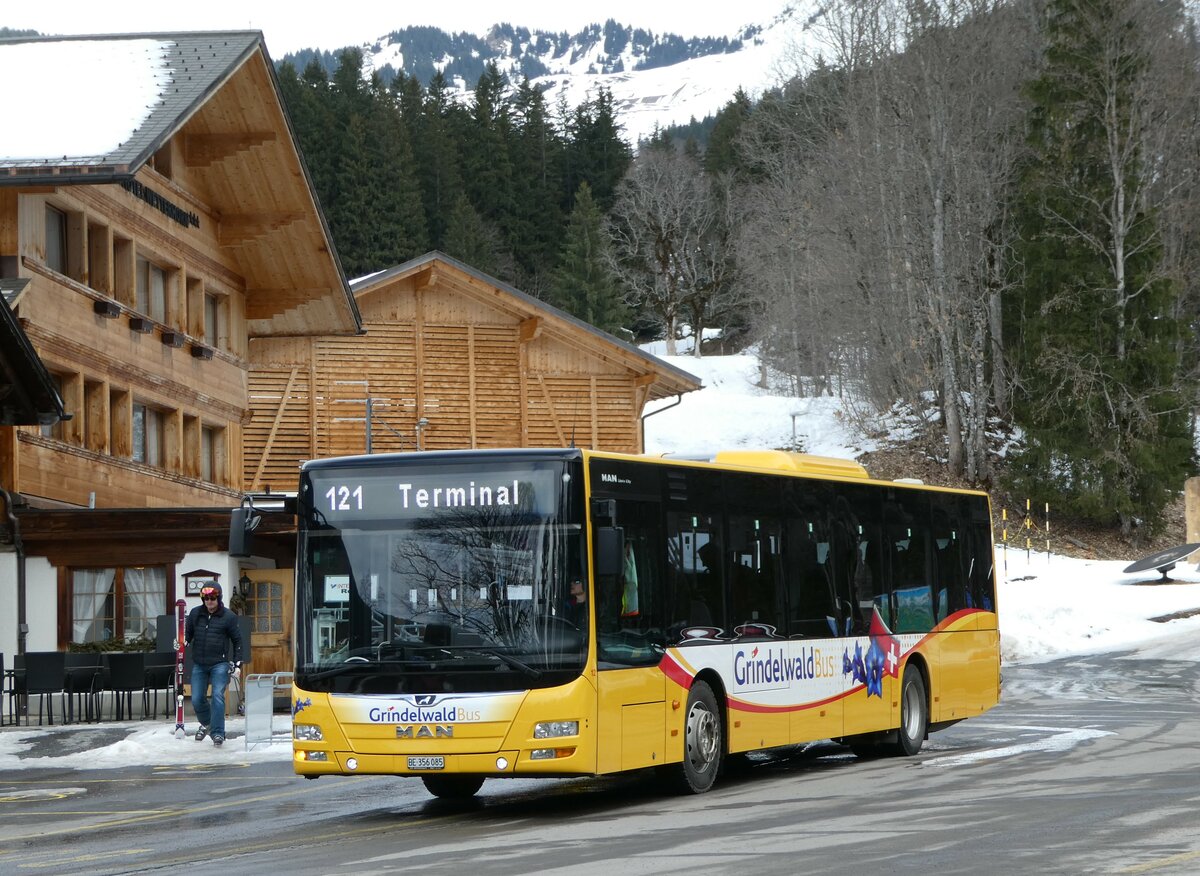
<point x="912" y="713"/>
<point x="702" y="737"/>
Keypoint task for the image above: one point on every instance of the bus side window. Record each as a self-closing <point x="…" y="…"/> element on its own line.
<point x="629" y="583"/>
<point x="813" y="612"/>
<point x="693" y="571"/>
<point x="754" y="581"/>
<point x="906" y="518"/>
<point x="949" y="562"/>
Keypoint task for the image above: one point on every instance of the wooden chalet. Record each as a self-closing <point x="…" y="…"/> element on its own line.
<point x="156" y="223"/>
<point x="451" y="359"/>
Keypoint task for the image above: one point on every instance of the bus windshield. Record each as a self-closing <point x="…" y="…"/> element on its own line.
<point x="422" y="576"/>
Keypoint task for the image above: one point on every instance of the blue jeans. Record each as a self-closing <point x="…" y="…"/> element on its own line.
<point x="211" y="715"/>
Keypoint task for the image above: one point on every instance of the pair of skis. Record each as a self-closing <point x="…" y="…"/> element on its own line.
<point x="180" y="644"/>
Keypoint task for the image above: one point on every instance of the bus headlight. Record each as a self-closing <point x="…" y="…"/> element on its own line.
<point x="554" y="729"/>
<point x="307" y="732"/>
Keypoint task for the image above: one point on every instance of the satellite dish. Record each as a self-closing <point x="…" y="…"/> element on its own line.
<point x="1164" y="561"/>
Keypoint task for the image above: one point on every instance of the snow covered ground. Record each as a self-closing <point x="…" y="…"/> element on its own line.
<point x="1050" y="606"/>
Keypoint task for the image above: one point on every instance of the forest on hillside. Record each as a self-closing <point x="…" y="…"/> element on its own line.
<point x="985" y="212"/>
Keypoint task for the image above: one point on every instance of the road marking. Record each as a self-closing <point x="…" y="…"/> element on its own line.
<point x="80" y="859"/>
<point x="1060" y="739"/>
<point x="12" y="795"/>
<point x="1163" y="862"/>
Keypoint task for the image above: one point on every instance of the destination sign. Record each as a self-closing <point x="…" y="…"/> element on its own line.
<point x="361" y="493"/>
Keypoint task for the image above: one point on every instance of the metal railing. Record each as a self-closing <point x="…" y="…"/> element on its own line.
<point x="260" y="691"/>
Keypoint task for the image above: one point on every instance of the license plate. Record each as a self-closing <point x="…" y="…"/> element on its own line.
<point x="427" y="763"/>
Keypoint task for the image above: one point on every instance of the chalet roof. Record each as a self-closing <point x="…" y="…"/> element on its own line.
<point x="27" y="393"/>
<point x="668" y="380"/>
<point x="140" y="88"/>
<point x="105" y="104"/>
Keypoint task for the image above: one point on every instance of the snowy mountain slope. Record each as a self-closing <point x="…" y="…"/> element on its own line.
<point x="656" y="80"/>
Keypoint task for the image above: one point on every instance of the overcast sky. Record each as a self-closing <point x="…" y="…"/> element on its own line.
<point x="289" y="26"/>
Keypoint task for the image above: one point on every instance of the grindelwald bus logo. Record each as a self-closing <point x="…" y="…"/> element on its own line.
<point x="414" y="714"/>
<point x="422" y="709"/>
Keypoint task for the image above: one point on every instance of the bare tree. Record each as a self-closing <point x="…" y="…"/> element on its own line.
<point x="670" y="226"/>
<point x="890" y="164"/>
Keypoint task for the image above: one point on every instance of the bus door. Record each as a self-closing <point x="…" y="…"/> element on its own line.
<point x="817" y="619"/>
<point x="631" y="707"/>
<point x="872" y="693"/>
<point x="760" y="707"/>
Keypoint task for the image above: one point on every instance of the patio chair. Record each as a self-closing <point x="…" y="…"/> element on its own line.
<point x="41" y="674"/>
<point x="160" y="676"/>
<point x="126" y="674"/>
<point x="82" y="682"/>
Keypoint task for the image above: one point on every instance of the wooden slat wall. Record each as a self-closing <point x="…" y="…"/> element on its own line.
<point x="380" y="365"/>
<point x="439" y="353"/>
<point x="279" y="435"/>
<point x="497" y="384"/>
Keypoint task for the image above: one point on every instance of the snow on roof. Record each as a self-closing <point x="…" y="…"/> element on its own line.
<point x="101" y="105"/>
<point x="91" y="96"/>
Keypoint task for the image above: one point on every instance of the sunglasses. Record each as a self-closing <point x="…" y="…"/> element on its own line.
<point x="209" y="594"/>
<point x="210" y="598"/>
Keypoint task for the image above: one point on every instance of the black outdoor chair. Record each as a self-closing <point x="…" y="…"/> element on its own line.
<point x="41" y="674"/>
<point x="82" y="683"/>
<point x="160" y="676"/>
<point x="4" y="690"/>
<point x="126" y="674"/>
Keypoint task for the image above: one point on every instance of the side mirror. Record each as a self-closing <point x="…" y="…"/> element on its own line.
<point x="242" y="523"/>
<point x="609" y="547"/>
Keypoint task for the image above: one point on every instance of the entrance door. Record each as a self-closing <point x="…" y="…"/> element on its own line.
<point x="269" y="606"/>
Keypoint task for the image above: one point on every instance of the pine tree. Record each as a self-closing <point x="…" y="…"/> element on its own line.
<point x="583" y="283"/>
<point x="487" y="157"/>
<point x="473" y="241"/>
<point x="437" y="154"/>
<point x="536" y="229"/>
<point x="1092" y="332"/>
<point x="722" y="153"/>
<point x="595" y="152"/>
<point x="399" y="233"/>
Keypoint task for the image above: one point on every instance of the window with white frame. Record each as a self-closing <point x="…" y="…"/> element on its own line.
<point x="56" y="239"/>
<point x="212" y="319"/>
<point x="208" y="450"/>
<point x="151" y="290"/>
<point x="122" y="603"/>
<point x="147" y="434"/>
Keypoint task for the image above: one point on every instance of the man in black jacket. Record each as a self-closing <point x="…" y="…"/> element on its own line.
<point x="216" y="639"/>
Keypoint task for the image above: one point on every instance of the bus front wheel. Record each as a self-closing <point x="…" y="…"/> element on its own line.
<point x="452" y="787"/>
<point x="914" y="713"/>
<point x="703" y="741"/>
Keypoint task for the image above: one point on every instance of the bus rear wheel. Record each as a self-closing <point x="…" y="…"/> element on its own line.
<point x="914" y="713"/>
<point x="704" y="741"/>
<point x="452" y="787"/>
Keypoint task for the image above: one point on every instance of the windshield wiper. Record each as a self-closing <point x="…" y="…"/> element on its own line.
<point x="508" y="659"/>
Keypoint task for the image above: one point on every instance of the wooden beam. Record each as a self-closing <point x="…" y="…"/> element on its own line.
<point x="203" y="150"/>
<point x="236" y="230"/>
<point x="263" y="303"/>
<point x="562" y="439"/>
<point x="424" y="278"/>
<point x="530" y="329"/>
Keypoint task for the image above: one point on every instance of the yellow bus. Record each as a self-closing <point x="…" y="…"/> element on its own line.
<point x="486" y="614"/>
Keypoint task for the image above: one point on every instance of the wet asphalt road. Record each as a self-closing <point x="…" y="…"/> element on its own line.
<point x="1089" y="765"/>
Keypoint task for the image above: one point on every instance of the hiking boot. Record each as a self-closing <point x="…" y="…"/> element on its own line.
<point x="218" y="739"/>
<point x="201" y="733"/>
